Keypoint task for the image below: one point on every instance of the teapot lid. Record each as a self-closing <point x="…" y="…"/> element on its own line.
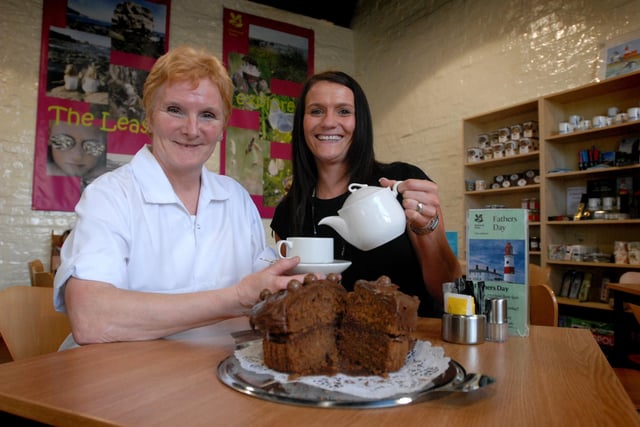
<point x="360" y="192"/>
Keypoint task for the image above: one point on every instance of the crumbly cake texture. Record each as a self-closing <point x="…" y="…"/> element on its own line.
<point x="375" y="334"/>
<point x="299" y="324"/>
<point x="317" y="328"/>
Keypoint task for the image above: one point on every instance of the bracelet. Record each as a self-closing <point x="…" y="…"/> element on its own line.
<point x="430" y="227"/>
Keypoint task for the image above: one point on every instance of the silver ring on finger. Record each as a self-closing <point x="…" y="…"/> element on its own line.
<point x="420" y="207"/>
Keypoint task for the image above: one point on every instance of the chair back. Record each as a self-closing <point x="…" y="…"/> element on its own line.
<point x="38" y="275"/>
<point x="630" y="278"/>
<point x="539" y="275"/>
<point x="35" y="266"/>
<point x="543" y="306"/>
<point x="28" y="322"/>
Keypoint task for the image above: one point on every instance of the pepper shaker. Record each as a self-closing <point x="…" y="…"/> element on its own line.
<point x="497" y="324"/>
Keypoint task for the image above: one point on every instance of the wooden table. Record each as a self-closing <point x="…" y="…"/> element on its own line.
<point x="556" y="376"/>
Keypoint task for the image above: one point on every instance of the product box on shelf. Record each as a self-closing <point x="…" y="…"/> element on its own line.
<point x="602" y="331"/>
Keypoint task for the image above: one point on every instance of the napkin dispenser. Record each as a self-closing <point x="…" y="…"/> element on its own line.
<point x="463" y="329"/>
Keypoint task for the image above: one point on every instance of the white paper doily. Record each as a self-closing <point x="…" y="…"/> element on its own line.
<point x="424" y="363"/>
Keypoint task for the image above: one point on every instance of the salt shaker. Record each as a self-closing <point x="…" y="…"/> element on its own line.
<point x="497" y="325"/>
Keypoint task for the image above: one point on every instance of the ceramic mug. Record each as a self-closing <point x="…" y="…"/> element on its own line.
<point x="599" y="121"/>
<point x="633" y="113"/>
<point x="474" y="154"/>
<point x="504" y="134"/>
<point x="621" y="118"/>
<point x="575" y="120"/>
<point x="585" y="124"/>
<point x="311" y="250"/>
<point x="511" y="148"/>
<point x="498" y="150"/>
<point x="565" y="127"/>
<point x="516" y="132"/>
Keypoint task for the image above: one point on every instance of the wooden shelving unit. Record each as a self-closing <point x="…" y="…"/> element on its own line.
<point x="557" y="161"/>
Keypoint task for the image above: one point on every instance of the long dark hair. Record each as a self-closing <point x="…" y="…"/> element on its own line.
<point x="361" y="158"/>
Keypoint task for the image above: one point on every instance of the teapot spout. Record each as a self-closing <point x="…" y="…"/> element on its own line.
<point x="338" y="224"/>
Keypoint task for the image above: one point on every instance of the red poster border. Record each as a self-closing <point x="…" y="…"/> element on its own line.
<point x="61" y="193"/>
<point x="236" y="40"/>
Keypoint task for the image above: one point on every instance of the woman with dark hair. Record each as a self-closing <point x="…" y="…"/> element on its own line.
<point x="332" y="142"/>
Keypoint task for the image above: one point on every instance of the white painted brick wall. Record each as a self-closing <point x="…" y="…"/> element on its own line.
<point x="429" y="64"/>
<point x="24" y="233"/>
<point x="424" y="64"/>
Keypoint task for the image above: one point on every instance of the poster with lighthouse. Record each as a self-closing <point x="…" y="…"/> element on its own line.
<point x="497" y="254"/>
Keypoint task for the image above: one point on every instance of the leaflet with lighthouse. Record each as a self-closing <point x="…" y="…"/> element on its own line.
<point x="497" y="261"/>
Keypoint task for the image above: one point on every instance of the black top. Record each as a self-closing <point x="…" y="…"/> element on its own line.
<point x="396" y="259"/>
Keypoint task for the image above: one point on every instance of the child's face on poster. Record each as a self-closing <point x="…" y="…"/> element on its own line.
<point x="76" y="149"/>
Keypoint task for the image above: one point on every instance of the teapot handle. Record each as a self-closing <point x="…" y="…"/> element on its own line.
<point x="395" y="188"/>
<point x="355" y="187"/>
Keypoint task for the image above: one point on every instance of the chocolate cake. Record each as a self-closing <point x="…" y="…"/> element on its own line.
<point x="375" y="334"/>
<point x="299" y="326"/>
<point x="316" y="327"/>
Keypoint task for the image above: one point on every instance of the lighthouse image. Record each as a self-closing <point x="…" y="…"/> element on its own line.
<point x="509" y="266"/>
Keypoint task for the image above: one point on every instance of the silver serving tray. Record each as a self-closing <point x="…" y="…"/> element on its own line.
<point x="263" y="386"/>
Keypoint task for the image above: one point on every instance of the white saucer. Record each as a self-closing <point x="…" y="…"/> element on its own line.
<point x="337" y="266"/>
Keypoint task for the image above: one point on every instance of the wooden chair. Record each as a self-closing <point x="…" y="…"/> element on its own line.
<point x="543" y="306"/>
<point x="539" y="275"/>
<point x="35" y="266"/>
<point x="28" y="322"/>
<point x="39" y="277"/>
<point x="632" y="277"/>
<point x="630" y="378"/>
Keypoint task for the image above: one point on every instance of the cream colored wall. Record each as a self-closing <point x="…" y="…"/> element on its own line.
<point x="427" y="65"/>
<point x="424" y="65"/>
<point x="24" y="233"/>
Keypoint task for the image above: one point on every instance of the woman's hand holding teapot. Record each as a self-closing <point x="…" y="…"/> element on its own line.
<point x="420" y="201"/>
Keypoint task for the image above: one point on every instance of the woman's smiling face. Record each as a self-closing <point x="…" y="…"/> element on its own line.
<point x="329" y="121"/>
<point x="186" y="124"/>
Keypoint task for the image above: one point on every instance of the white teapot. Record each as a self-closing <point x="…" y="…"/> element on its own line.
<point x="371" y="216"/>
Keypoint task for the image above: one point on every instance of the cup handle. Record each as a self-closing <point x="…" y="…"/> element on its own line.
<point x="279" y="245"/>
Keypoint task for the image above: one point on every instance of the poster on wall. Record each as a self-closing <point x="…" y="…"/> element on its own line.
<point x="622" y="55"/>
<point x="95" y="56"/>
<point x="268" y="62"/>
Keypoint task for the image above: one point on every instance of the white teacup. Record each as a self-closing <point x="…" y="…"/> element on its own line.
<point x="511" y="148"/>
<point x="311" y="250"/>
<point x="474" y="154"/>
<point x="599" y="121"/>
<point x="565" y="127"/>
<point x="633" y="113"/>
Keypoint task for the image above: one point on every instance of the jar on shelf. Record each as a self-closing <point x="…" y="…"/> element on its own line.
<point x="534" y="243"/>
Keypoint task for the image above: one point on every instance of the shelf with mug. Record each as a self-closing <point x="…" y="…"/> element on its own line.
<point x="592" y="172"/>
<point x="596" y="305"/>
<point x="594" y="264"/>
<point x="596" y="222"/>
<point x="560" y="152"/>
<point x="617" y="129"/>
<point x="508" y="190"/>
<point x="515" y="159"/>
